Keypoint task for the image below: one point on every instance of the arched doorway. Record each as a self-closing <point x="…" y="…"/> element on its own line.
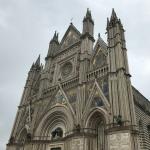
<point x="97" y="121"/>
<point x="53" y="126"/>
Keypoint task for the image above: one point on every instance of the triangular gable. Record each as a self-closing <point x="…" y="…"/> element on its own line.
<point x="100" y="46"/>
<point x="100" y="58"/>
<point x="60" y="98"/>
<point x="71" y="36"/>
<point x="96" y="92"/>
<point x="36" y="84"/>
<point x="100" y="52"/>
<point x="100" y="43"/>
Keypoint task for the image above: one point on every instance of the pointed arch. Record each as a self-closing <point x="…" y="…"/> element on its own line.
<point x="22" y="135"/>
<point x="100" y="111"/>
<point x="57" y="116"/>
<point x="97" y="119"/>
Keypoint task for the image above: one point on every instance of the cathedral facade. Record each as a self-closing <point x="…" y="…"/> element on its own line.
<point x="82" y="98"/>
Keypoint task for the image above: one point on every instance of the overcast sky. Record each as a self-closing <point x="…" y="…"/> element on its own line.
<point x="26" y="27"/>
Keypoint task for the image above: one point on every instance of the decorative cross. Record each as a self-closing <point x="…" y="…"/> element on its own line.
<point x="71" y="20"/>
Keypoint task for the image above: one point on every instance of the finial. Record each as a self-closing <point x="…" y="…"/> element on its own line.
<point x="99" y="35"/>
<point x="88" y="16"/>
<point x="32" y="66"/>
<point x="71" y="21"/>
<point x="37" y="63"/>
<point x="55" y="36"/>
<point x="113" y="15"/>
<point x="107" y="22"/>
<point x="88" y="13"/>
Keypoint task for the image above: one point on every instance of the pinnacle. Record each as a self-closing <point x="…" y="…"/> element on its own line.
<point x="88" y="13"/>
<point x="32" y="66"/>
<point x="113" y="16"/>
<point x="37" y="63"/>
<point x="88" y="16"/>
<point x="113" y="20"/>
<point x="107" y="22"/>
<point x="55" y="37"/>
<point x="100" y="41"/>
<point x="99" y="35"/>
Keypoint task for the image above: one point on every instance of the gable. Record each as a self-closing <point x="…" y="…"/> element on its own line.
<point x="71" y="36"/>
<point x="72" y="97"/>
<point x="58" y="99"/>
<point x="99" y="59"/>
<point x="96" y="98"/>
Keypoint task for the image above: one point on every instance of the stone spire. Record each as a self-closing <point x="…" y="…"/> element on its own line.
<point x="116" y="39"/>
<point x="88" y="24"/>
<point x="88" y="14"/>
<point x="87" y="41"/>
<point x="37" y="63"/>
<point x="53" y="46"/>
<point x="113" y="15"/>
<point x="55" y="38"/>
<point x="114" y="20"/>
<point x="122" y="98"/>
<point x="107" y="24"/>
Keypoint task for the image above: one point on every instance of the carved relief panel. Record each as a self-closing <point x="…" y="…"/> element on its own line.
<point x="77" y="144"/>
<point x="103" y="83"/>
<point x="66" y="68"/>
<point x="119" y="141"/>
<point x="100" y="60"/>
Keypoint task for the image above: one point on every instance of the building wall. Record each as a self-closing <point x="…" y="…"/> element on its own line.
<point x="143" y="120"/>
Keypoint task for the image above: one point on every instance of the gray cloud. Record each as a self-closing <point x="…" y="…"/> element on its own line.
<point x="26" y="27"/>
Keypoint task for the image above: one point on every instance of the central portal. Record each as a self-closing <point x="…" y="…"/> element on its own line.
<point x="56" y="148"/>
<point x="96" y="121"/>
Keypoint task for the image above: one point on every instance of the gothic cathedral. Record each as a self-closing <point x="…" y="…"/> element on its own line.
<point x="82" y="98"/>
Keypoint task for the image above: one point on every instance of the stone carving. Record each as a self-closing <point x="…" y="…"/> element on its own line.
<point x="60" y="97"/>
<point x="118" y="120"/>
<point x="97" y="102"/>
<point x="66" y="69"/>
<point x="72" y="95"/>
<point x="100" y="60"/>
<point x="57" y="133"/>
<point x="120" y="141"/>
<point x="77" y="144"/>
